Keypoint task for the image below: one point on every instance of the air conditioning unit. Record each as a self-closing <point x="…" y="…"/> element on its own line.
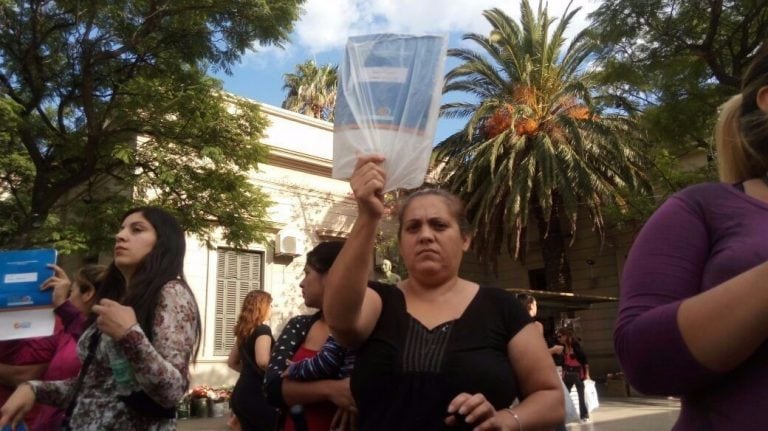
<point x="289" y="242"/>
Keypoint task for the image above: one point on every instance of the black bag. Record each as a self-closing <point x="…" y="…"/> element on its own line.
<point x="143" y="405"/>
<point x="93" y="343"/>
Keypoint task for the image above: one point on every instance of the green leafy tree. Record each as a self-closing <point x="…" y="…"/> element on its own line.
<point x="106" y="105"/>
<point x="676" y="62"/>
<point x="312" y="90"/>
<point x="537" y="145"/>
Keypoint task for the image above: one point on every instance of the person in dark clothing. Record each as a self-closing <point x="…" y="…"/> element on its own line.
<point x="435" y="351"/>
<point x="575" y="367"/>
<point x="312" y="405"/>
<point x="250" y="357"/>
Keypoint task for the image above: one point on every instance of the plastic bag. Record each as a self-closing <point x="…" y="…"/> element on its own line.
<point x="590" y="395"/>
<point x="571" y="410"/>
<point x="387" y="103"/>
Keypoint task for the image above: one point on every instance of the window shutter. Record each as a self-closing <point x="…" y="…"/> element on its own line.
<point x="237" y="273"/>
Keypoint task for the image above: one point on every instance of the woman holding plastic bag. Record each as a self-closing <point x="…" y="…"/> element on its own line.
<point x="435" y="351"/>
<point x="571" y="415"/>
<point x="575" y="368"/>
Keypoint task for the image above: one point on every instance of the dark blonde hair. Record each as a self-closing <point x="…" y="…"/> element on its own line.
<point x="89" y="277"/>
<point x="741" y="134"/>
<point x="255" y="309"/>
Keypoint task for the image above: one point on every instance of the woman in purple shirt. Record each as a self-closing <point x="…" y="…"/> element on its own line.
<point x="693" y="317"/>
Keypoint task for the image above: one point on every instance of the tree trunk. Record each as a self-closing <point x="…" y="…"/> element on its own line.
<point x="557" y="269"/>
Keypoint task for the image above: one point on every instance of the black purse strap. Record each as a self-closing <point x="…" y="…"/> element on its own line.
<point x="93" y="344"/>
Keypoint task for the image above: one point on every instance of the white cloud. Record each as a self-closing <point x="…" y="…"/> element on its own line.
<point x="326" y="24"/>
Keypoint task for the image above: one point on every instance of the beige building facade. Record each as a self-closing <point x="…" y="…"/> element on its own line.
<point x="310" y="206"/>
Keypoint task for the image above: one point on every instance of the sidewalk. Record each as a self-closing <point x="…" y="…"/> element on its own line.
<point x="632" y="414"/>
<point x="207" y="424"/>
<point x="614" y="414"/>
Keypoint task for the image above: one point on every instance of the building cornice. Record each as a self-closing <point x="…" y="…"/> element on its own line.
<point x="295" y="116"/>
<point x="301" y="162"/>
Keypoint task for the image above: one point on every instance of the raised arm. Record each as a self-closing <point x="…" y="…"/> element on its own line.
<point x="73" y="320"/>
<point x="350" y="308"/>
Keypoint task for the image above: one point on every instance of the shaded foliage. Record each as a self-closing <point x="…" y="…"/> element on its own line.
<point x="676" y="62"/>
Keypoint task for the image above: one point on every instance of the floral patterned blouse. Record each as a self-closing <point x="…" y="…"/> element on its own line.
<point x="161" y="368"/>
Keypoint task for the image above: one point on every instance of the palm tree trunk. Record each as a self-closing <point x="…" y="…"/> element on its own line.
<point x="557" y="269"/>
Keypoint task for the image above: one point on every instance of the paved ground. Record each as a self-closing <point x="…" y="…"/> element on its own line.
<point x="614" y="414"/>
<point x="632" y="414"/>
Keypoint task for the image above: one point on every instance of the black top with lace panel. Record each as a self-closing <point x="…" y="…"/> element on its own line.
<point x="406" y="374"/>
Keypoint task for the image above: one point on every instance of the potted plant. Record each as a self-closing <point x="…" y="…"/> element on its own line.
<point x="199" y="401"/>
<point x="218" y="401"/>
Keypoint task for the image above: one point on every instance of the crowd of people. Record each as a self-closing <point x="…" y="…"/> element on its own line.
<point x="433" y="350"/>
<point x="376" y="355"/>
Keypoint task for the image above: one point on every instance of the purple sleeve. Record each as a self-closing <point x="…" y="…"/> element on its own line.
<point x="72" y="318"/>
<point x="664" y="267"/>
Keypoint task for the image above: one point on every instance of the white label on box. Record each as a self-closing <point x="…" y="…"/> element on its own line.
<point x="25" y="277"/>
<point x="384" y="74"/>
<point x="26" y="323"/>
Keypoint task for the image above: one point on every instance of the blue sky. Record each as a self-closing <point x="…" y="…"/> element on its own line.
<point x="325" y="25"/>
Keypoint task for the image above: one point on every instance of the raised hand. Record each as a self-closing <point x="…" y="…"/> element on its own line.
<point x="60" y="284"/>
<point x="367" y="183"/>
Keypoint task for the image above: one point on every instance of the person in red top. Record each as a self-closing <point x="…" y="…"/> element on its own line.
<point x="575" y="367"/>
<point x="313" y="405"/>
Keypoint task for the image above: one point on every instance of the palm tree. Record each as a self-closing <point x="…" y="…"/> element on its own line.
<point x="312" y="90"/>
<point x="537" y="143"/>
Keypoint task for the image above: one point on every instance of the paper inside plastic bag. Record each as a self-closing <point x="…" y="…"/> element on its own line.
<point x="388" y="101"/>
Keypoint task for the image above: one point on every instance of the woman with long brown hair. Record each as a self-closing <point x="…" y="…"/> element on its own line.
<point x="575" y="367"/>
<point x="140" y="337"/>
<point x="250" y="357"/>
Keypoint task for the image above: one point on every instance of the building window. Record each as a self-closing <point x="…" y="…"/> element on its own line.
<point x="237" y="273"/>
<point x="537" y="280"/>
